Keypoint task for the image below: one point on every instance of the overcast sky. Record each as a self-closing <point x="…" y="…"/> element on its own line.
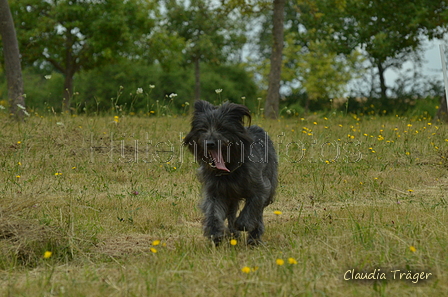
<point x="432" y="65"/>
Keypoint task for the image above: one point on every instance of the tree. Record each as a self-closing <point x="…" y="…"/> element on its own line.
<point x="74" y="35"/>
<point x="210" y="33"/>
<point x="13" y="68"/>
<point x="389" y="32"/>
<point x="321" y="72"/>
<point x="273" y="96"/>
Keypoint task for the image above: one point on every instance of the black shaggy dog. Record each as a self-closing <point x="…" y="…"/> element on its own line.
<point x="236" y="163"/>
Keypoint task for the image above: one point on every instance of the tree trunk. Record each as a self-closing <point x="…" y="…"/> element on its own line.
<point x="383" y="86"/>
<point x="307" y="104"/>
<point x="197" y="79"/>
<point x="69" y="72"/>
<point x="68" y="90"/>
<point x="273" y="96"/>
<point x="11" y="53"/>
<point x="442" y="112"/>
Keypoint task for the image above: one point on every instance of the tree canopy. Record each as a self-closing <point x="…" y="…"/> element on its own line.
<point x="70" y="35"/>
<point x="211" y="33"/>
<point x="388" y="33"/>
<point x="326" y="45"/>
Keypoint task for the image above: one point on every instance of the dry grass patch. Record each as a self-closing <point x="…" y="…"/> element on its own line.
<point x="116" y="204"/>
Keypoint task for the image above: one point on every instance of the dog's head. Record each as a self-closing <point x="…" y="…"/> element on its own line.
<point x="218" y="135"/>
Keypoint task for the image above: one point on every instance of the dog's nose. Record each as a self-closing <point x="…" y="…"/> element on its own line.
<point x="211" y="144"/>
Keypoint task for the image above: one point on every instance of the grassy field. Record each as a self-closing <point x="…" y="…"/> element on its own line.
<point x="104" y="206"/>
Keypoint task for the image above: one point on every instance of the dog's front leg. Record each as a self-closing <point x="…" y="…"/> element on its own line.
<point x="215" y="210"/>
<point x="231" y="218"/>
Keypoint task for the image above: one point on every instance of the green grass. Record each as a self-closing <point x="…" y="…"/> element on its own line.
<point x="354" y="193"/>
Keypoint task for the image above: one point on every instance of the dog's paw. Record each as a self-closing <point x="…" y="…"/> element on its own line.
<point x="233" y="233"/>
<point x="242" y="224"/>
<point x="217" y="238"/>
<point x="254" y="241"/>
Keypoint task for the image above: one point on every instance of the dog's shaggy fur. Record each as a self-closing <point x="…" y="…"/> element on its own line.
<point x="236" y="163"/>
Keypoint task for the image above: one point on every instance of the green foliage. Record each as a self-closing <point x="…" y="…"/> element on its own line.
<point x="165" y="47"/>
<point x="43" y="91"/>
<point x="95" y="86"/>
<point x="40" y="92"/>
<point x="70" y="36"/>
<point x="107" y="44"/>
<point x="211" y="33"/>
<point x="322" y="73"/>
<point x="403" y="106"/>
<point x="101" y="89"/>
<point x="388" y="32"/>
<point x="310" y="64"/>
<point x="92" y="33"/>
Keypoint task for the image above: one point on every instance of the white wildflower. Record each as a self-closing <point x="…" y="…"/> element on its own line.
<point x="48" y="76"/>
<point x="218" y="91"/>
<point x="152" y="86"/>
<point x="139" y="91"/>
<point x="172" y="95"/>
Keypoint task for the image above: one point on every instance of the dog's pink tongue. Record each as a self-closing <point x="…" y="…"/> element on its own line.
<point x="219" y="161"/>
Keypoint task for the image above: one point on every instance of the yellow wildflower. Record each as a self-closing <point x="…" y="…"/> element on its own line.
<point x="280" y="262"/>
<point x="292" y="261"/>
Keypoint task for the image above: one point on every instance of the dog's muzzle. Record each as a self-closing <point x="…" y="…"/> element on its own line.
<point x="217" y="160"/>
<point x="214" y="151"/>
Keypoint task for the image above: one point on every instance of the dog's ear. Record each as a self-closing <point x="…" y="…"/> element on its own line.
<point x="201" y="106"/>
<point x="238" y="112"/>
